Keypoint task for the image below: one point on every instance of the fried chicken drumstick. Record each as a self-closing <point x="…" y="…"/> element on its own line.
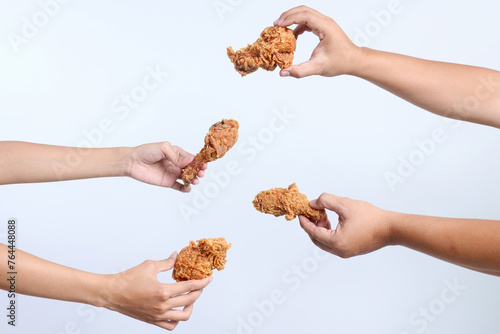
<point x="219" y="139"/>
<point x="288" y="202"/>
<point x="197" y="261"/>
<point x="275" y="47"/>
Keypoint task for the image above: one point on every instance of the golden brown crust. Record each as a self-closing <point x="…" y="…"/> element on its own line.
<point x="197" y="261"/>
<point x="289" y="202"/>
<point x="220" y="138"/>
<point x="275" y="47"/>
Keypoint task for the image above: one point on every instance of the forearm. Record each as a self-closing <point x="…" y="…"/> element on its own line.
<point x="471" y="243"/>
<point x="41" y="278"/>
<point x="451" y="90"/>
<point x="22" y="162"/>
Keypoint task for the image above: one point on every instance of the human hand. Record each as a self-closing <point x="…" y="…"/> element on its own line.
<point x="161" y="164"/>
<point x="137" y="293"/>
<point x="335" y="52"/>
<point x="362" y="227"/>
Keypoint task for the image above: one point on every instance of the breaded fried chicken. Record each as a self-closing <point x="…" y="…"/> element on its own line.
<point x="220" y="138"/>
<point x="275" y="47"/>
<point x="288" y="202"/>
<point x="197" y="261"/>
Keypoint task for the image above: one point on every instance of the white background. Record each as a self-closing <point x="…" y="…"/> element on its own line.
<point x="345" y="135"/>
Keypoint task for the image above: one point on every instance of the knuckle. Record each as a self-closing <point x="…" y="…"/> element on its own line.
<point x="170" y="327"/>
<point x="160" y="309"/>
<point x="323" y="197"/>
<point x="163" y="294"/>
<point x="148" y="263"/>
<point x="185" y="316"/>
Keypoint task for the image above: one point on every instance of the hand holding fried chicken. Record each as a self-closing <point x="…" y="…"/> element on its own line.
<point x="197" y="261"/>
<point x="219" y="139"/>
<point x="274" y="47"/>
<point x="288" y="202"/>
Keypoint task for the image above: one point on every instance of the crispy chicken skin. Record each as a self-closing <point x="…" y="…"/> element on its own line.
<point x="274" y="47"/>
<point x="220" y="138"/>
<point x="288" y="202"/>
<point x="197" y="261"/>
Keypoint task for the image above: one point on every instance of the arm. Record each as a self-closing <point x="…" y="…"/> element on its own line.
<point x="135" y="292"/>
<point x="363" y="228"/>
<point x="159" y="163"/>
<point x="451" y="90"/>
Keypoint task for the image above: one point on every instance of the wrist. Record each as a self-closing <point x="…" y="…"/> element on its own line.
<point x="394" y="221"/>
<point x="124" y="161"/>
<point x="102" y="295"/>
<point x="361" y="61"/>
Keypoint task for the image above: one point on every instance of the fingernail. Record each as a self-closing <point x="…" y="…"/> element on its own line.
<point x="173" y="254"/>
<point x="285" y="73"/>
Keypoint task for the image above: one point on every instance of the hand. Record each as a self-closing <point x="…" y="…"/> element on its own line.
<point x="335" y="52"/>
<point x="362" y="227"/>
<point x="137" y="293"/>
<point x="161" y="164"/>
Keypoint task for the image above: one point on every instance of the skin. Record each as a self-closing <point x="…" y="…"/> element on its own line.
<point x="363" y="228"/>
<point x="442" y="88"/>
<point x="135" y="292"/>
<point x="158" y="164"/>
<point x="457" y="91"/>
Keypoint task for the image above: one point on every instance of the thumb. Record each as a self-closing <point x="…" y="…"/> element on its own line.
<point x="299" y="71"/>
<point x="330" y="202"/>
<point x="167" y="264"/>
<point x="184" y="158"/>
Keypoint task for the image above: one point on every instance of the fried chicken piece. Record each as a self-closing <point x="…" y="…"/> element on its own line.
<point x="219" y="139"/>
<point x="275" y="47"/>
<point x="289" y="202"/>
<point x="197" y="261"/>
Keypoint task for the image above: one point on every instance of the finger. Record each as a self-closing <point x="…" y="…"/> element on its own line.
<point x="325" y="223"/>
<point x="184" y="299"/>
<point x="301" y="15"/>
<point x="201" y="173"/>
<point x="300" y="29"/>
<point x="304" y="220"/>
<point x="181" y="187"/>
<point x="204" y="166"/>
<point x="179" y="315"/>
<point x="319" y="233"/>
<point x="167" y="264"/>
<point x="167" y="324"/>
<point x="303" y="70"/>
<point x="183" y="287"/>
<point x="293" y="11"/>
<point x="320" y="245"/>
<point x="330" y="202"/>
<point x="179" y="157"/>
